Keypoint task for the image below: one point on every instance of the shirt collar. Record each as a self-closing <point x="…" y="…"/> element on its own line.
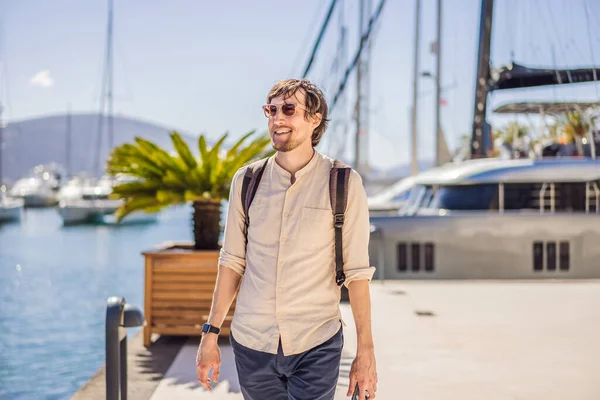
<point x="306" y="169"/>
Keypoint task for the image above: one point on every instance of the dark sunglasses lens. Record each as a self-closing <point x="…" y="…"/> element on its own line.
<point x="288" y="109"/>
<point x="271" y="110"/>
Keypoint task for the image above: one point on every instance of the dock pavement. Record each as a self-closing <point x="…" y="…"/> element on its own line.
<point x="434" y="340"/>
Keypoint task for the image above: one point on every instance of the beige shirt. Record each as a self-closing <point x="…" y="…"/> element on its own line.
<point x="288" y="288"/>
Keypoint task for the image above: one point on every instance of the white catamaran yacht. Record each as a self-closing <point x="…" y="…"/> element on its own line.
<point x="492" y="218"/>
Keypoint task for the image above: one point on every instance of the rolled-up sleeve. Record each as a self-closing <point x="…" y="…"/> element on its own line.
<point x="233" y="251"/>
<point x="356" y="233"/>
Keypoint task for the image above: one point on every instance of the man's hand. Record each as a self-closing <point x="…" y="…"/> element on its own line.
<point x="208" y="356"/>
<point x="363" y="372"/>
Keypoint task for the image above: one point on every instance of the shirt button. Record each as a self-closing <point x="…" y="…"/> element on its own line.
<point x="283" y="238"/>
<point x="279" y="289"/>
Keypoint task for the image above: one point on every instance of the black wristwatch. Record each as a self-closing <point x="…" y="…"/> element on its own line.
<point x="208" y="328"/>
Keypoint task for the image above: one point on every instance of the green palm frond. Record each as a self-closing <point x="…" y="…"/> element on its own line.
<point x="164" y="179"/>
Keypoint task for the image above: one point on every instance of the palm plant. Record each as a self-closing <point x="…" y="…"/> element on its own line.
<point x="574" y="125"/>
<point x="512" y="131"/>
<point x="164" y="180"/>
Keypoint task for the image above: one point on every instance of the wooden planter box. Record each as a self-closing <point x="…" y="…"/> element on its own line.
<point x="178" y="289"/>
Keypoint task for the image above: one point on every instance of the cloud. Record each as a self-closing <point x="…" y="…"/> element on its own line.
<point x="42" y="79"/>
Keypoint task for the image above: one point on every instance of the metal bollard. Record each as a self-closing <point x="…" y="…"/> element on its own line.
<point x="119" y="316"/>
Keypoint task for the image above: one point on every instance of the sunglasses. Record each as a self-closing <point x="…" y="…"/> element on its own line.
<point x="288" y="109"/>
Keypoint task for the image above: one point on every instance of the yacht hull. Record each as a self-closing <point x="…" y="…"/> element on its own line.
<point x="480" y="245"/>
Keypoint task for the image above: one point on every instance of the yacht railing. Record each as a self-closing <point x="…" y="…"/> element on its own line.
<point x="543" y="199"/>
<point x="588" y="191"/>
<point x="501" y="198"/>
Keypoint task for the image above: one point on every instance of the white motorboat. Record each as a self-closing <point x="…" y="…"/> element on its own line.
<point x="10" y="208"/>
<point x="86" y="201"/>
<point x="40" y="188"/>
<point x="495" y="219"/>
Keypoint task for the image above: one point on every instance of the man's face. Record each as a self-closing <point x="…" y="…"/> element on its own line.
<point x="290" y="132"/>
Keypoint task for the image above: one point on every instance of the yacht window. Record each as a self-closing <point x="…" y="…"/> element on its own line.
<point x="426" y="202"/>
<point x="523" y="196"/>
<point x="402" y="196"/>
<point x="466" y="197"/>
<point x="414" y="200"/>
<point x="568" y="197"/>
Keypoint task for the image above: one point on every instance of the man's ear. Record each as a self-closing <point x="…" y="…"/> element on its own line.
<point x="317" y="118"/>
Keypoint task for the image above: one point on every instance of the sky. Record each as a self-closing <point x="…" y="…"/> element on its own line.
<point x="206" y="66"/>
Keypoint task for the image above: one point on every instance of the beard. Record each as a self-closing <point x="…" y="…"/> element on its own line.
<point x="284" y="146"/>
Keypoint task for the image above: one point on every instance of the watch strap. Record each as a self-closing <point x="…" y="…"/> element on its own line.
<point x="208" y="328"/>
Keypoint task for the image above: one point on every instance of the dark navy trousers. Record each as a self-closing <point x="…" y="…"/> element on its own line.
<point x="311" y="375"/>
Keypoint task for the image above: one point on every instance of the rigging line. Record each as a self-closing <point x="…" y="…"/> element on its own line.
<point x="595" y="15"/>
<point x="596" y="18"/>
<point x="511" y="33"/>
<point x="571" y="26"/>
<point x="587" y="23"/>
<point x="535" y="49"/>
<point x="305" y="42"/>
<point x="319" y="38"/>
<point x="556" y="31"/>
<point x="546" y="27"/>
<point x="364" y="39"/>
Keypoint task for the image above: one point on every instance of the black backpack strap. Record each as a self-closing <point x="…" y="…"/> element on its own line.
<point x="252" y="178"/>
<point x="339" y="177"/>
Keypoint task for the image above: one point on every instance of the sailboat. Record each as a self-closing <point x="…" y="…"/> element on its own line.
<point x="10" y="208"/>
<point x="87" y="200"/>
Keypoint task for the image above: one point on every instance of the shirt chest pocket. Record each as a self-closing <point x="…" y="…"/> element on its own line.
<point x="316" y="228"/>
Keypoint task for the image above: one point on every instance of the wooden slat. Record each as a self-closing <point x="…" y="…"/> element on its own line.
<point x="198" y="320"/>
<point x="184" y="286"/>
<point x="161" y="303"/>
<point x="212" y="258"/>
<point x="178" y="269"/>
<point x="181" y="296"/>
<point x="179" y="321"/>
<point x="174" y="313"/>
<point x="171" y="309"/>
<point x="185" y="331"/>
<point x="163" y="277"/>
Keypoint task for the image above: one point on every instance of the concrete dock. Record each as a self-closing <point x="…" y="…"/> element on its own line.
<point x="442" y="340"/>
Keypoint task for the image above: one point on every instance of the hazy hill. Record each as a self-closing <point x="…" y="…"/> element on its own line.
<point x="31" y="142"/>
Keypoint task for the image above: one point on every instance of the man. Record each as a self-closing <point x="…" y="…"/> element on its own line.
<point x="286" y="332"/>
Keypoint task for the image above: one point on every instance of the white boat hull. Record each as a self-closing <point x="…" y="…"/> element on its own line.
<point x="10" y="208"/>
<point x="11" y="213"/>
<point x="39" y="200"/>
<point x="99" y="211"/>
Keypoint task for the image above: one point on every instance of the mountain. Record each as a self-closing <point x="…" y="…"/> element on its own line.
<point x="43" y="140"/>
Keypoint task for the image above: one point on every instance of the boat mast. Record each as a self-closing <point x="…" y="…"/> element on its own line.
<point x="106" y="96"/>
<point x="478" y="140"/>
<point x="414" y="169"/>
<point x="438" y="87"/>
<point x="68" y="143"/>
